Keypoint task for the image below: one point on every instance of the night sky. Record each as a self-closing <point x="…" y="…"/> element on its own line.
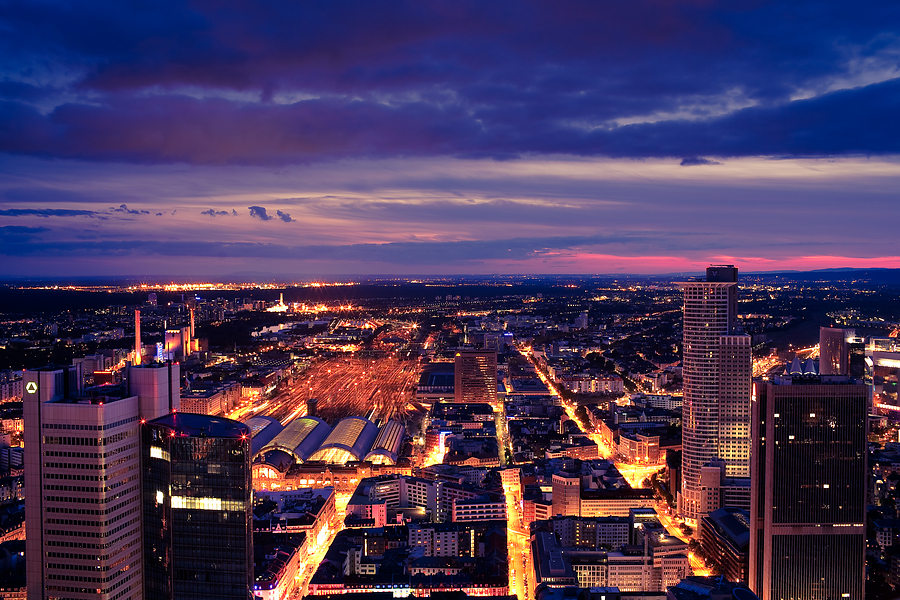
<point x="308" y="139"/>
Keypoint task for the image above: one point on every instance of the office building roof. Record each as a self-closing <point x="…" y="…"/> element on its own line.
<point x="191" y="425"/>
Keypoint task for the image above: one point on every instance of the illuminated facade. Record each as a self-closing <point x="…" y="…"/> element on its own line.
<point x="300" y="438"/>
<point x="717" y="369"/>
<point x="475" y="378"/>
<point x="73" y="492"/>
<point x="808" y="499"/>
<point x="387" y="446"/>
<point x="566" y="493"/>
<point x="197" y="500"/>
<point x="350" y="440"/>
<point x="83" y="492"/>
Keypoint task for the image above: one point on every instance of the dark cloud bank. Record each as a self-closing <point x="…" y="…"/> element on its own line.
<point x="31" y="241"/>
<point x="285" y="82"/>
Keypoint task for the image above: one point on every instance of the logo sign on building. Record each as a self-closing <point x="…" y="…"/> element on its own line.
<point x="31" y="387"/>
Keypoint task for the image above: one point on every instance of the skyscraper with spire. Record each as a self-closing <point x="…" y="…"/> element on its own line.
<point x="717" y="370"/>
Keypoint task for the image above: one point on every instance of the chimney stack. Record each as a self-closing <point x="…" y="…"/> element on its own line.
<point x="137" y="337"/>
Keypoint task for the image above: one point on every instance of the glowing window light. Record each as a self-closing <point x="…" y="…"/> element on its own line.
<point x="193" y="503"/>
<point x="157" y="452"/>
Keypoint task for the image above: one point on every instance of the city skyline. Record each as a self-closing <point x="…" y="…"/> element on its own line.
<point x="521" y="442"/>
<point x="342" y="139"/>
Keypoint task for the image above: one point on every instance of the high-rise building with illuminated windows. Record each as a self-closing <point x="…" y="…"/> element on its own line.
<point x="475" y="376"/>
<point x="808" y="498"/>
<point x="197" y="500"/>
<point x="717" y="370"/>
<point x="83" y="490"/>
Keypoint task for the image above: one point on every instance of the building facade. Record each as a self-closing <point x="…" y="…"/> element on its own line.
<point x="197" y="501"/>
<point x="83" y="491"/>
<point x="808" y="499"/>
<point x="475" y="378"/>
<point x="717" y="370"/>
<point x="566" y="494"/>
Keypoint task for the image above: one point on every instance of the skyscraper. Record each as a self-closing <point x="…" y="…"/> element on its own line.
<point x="717" y="369"/>
<point x="476" y="376"/>
<point x="197" y="500"/>
<point x="808" y="513"/>
<point x="83" y="494"/>
<point x="833" y="355"/>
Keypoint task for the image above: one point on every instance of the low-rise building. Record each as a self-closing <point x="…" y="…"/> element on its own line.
<point x="278" y="577"/>
<point x="210" y="398"/>
<point x="480" y="509"/>
<point x="647" y="560"/>
<point x="725" y="540"/>
<point x="441" y="500"/>
<point x="617" y="502"/>
<point x="592" y="532"/>
<point x="418" y="560"/>
<point x="310" y="511"/>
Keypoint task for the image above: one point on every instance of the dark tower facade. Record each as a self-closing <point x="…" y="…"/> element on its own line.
<point x="197" y="496"/>
<point x="808" y="510"/>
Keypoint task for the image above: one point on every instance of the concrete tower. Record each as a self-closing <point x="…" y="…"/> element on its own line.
<point x="83" y="494"/>
<point x="717" y="370"/>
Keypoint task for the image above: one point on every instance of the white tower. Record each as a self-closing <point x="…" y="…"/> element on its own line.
<point x="717" y="370"/>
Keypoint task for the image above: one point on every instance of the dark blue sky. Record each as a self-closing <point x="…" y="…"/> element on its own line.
<point x="315" y="138"/>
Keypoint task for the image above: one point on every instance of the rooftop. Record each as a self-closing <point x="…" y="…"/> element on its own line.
<point x="191" y="425"/>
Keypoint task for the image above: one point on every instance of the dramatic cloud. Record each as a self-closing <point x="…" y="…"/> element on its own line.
<point x="242" y="83"/>
<point x="404" y="253"/>
<point x="448" y="136"/>
<point x="43" y="195"/>
<point x="15" y="237"/>
<point x="46" y="212"/>
<point x="258" y="212"/>
<point x="22" y="232"/>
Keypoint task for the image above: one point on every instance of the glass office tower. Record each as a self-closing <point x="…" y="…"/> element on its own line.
<point x="197" y="494"/>
<point x="808" y="510"/>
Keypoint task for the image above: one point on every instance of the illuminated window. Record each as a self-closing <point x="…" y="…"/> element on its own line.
<point x="157" y="452"/>
<point x="206" y="503"/>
